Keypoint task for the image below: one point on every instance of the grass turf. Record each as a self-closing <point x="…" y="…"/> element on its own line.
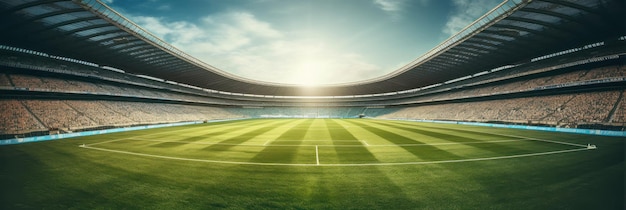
<point x="273" y="164"/>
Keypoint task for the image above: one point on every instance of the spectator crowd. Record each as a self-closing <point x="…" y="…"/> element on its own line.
<point x="25" y="115"/>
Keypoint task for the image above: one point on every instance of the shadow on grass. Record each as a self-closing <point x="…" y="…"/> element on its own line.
<point x="205" y="136"/>
<point x="425" y="152"/>
<point x="277" y="154"/>
<point x="497" y="148"/>
<point x="234" y="141"/>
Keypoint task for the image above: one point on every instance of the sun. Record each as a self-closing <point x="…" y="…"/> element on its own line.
<point x="312" y="64"/>
<point x="309" y="73"/>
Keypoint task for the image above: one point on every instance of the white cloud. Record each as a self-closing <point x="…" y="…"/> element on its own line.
<point x="153" y="24"/>
<point x="240" y="43"/>
<point x="302" y="61"/>
<point x="395" y="7"/>
<point x="164" y="7"/>
<point x="389" y="5"/>
<point x="392" y="7"/>
<point x="466" y="12"/>
<point x="213" y="34"/>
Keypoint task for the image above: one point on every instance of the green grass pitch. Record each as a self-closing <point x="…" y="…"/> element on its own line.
<point x="316" y="164"/>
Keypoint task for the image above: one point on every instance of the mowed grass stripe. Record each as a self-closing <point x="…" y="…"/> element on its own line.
<point x="382" y="154"/>
<point x="242" y="147"/>
<point x="224" y="149"/>
<point x="337" y="182"/>
<point x="443" y="133"/>
<point x="503" y="132"/>
<point x="207" y="134"/>
<point x="522" y="137"/>
<point x="469" y="131"/>
<point x="167" y="139"/>
<point x="294" y="141"/>
<point x="423" y="153"/>
<point x="348" y="154"/>
<point x="247" y="134"/>
<point x="111" y="137"/>
<point x="293" y="154"/>
<point x="481" y="150"/>
<point x="60" y="175"/>
<point x="510" y="133"/>
<point x="170" y="133"/>
<point x="229" y="150"/>
<point x="321" y="135"/>
<point x="457" y="136"/>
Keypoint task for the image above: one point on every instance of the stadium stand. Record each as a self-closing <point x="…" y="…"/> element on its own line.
<point x="619" y="112"/>
<point x="57" y="115"/>
<point x="178" y="103"/>
<point x="27" y="116"/>
<point x="311" y="112"/>
<point x="578" y="83"/>
<point x="4" y="81"/>
<point x="17" y="119"/>
<point x="567" y="110"/>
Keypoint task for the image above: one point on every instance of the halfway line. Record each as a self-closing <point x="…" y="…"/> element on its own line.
<point x="317" y="155"/>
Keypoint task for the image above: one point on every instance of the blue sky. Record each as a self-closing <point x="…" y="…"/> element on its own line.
<point x="306" y="42"/>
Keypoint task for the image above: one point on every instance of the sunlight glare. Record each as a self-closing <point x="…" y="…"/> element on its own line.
<point x="309" y="73"/>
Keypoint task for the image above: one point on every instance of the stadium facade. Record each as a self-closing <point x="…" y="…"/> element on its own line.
<point x="74" y="65"/>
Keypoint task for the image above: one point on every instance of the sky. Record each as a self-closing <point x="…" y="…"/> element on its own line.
<point x="304" y="42"/>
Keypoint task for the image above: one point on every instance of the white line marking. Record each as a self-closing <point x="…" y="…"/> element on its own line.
<point x="462" y="160"/>
<point x="446" y="143"/>
<point x="148" y="134"/>
<point x="347" y="164"/>
<point x="318" y="140"/>
<point x="104" y="142"/>
<point x="529" y="138"/>
<point x="364" y="142"/>
<point x="537" y="139"/>
<point x="557" y="142"/>
<point x="267" y="142"/>
<point x="193" y="159"/>
<point x="317" y="155"/>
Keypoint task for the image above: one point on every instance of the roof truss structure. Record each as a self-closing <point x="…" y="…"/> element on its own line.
<point x="515" y="32"/>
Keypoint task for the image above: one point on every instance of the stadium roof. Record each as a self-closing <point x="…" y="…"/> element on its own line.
<point x="514" y="32"/>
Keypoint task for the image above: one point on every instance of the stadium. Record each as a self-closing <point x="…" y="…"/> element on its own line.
<point x="524" y="108"/>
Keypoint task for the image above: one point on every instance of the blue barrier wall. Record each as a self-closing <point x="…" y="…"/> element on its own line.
<point x="96" y="132"/>
<point x="114" y="130"/>
<point x="530" y="127"/>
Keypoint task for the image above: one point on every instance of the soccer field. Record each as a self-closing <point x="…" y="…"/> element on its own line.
<point x="317" y="164"/>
